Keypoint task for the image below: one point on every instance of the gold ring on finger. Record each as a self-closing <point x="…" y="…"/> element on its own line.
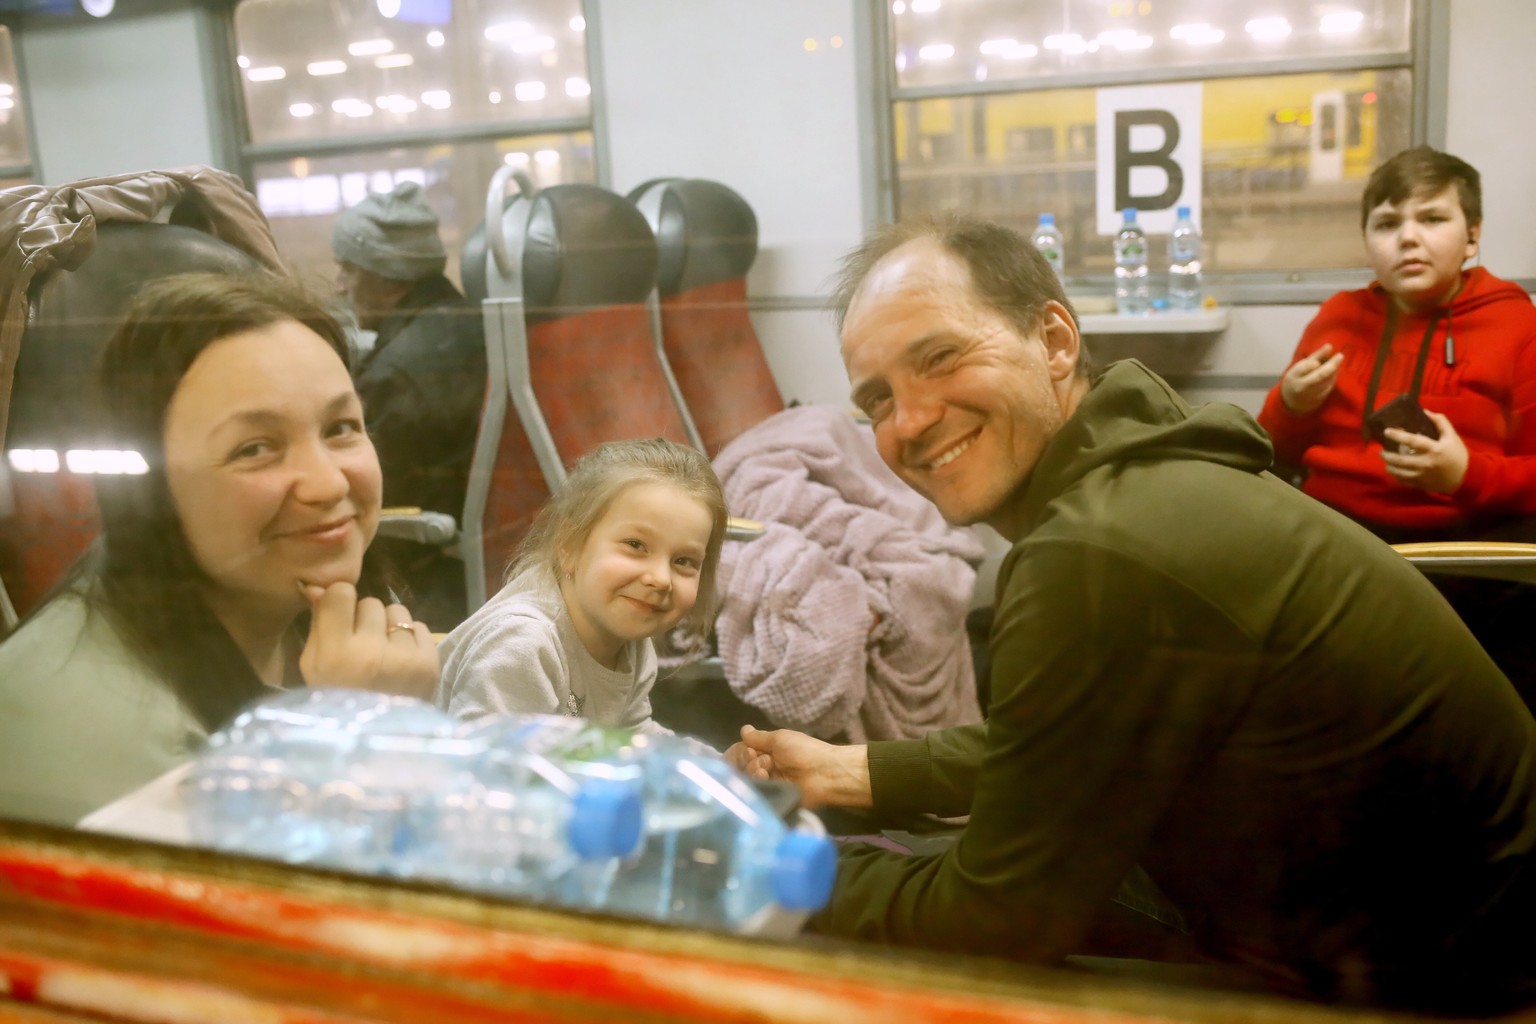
<point x="395" y="627"/>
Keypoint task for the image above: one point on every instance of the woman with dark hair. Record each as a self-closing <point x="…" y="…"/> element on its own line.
<point x="255" y="503"/>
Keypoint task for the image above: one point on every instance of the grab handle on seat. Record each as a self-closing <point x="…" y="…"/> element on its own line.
<point x="495" y="197"/>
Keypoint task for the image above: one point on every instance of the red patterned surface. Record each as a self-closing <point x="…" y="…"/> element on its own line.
<point x="516" y="494"/>
<point x="53" y="521"/>
<point x="125" y="933"/>
<point x="718" y="362"/>
<point x="597" y="379"/>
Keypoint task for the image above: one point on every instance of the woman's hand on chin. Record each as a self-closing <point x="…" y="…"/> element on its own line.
<point x="364" y="645"/>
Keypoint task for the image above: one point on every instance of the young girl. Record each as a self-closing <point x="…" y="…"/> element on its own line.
<point x="625" y="551"/>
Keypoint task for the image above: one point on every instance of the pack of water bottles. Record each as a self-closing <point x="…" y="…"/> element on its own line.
<point x="546" y="808"/>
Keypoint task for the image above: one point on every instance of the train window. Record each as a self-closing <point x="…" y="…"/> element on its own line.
<point x="302" y="195"/>
<point x="1298" y="107"/>
<point x="15" y="153"/>
<point x="314" y="69"/>
<point x="1265" y="205"/>
<point x="343" y="97"/>
<point x="949" y="43"/>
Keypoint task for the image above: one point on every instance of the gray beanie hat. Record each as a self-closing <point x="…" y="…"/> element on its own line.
<point x="391" y="234"/>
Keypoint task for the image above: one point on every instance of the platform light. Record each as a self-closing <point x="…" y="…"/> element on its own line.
<point x="518" y="159"/>
<point x="1197" y="34"/>
<point x="98" y="8"/>
<point x="836" y="42"/>
<point x="395" y="103"/>
<point x="351" y="106"/>
<point x="301" y="109"/>
<point x="436" y="39"/>
<point x="546" y="157"/>
<point x="1268" y="28"/>
<point x="388" y="8"/>
<point x="577" y="87"/>
<point x="394" y="60"/>
<point x="1021" y="52"/>
<point x="981" y="72"/>
<point x="267" y="74"/>
<point x="924" y="6"/>
<point x="370" y="47"/>
<point x="437" y="99"/>
<point x="495" y="96"/>
<point x="529" y="92"/>
<point x="899" y="7"/>
<point x="934" y="52"/>
<point x="901" y="61"/>
<point x="1338" y="23"/>
<point x="997" y="47"/>
<point x="1069" y="43"/>
<point x="321" y="68"/>
<point x="243" y="61"/>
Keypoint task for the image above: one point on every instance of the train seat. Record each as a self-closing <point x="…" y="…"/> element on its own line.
<point x="75" y="255"/>
<point x="706" y="236"/>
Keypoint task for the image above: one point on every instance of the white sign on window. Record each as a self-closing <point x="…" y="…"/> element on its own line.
<point x="1148" y="154"/>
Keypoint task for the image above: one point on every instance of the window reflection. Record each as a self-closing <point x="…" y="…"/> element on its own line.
<point x="319" y="69"/>
<point x="301" y="196"/>
<point x="1012" y="156"/>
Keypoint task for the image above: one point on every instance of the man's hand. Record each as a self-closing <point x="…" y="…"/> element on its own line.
<point x="828" y="775"/>
<point x="1430" y="464"/>
<point x="361" y="644"/>
<point x="1310" y="380"/>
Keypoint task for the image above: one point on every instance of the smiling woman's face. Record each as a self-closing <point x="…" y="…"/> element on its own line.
<point x="269" y="469"/>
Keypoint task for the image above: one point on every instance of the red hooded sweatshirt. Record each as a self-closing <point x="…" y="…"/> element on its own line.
<point x="1483" y="380"/>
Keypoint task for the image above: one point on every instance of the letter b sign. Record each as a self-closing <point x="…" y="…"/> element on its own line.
<point x="1148" y="154"/>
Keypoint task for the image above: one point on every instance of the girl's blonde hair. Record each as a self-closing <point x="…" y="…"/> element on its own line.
<point x="596" y="481"/>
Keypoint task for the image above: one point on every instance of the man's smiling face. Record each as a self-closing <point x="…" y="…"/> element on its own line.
<point x="961" y="400"/>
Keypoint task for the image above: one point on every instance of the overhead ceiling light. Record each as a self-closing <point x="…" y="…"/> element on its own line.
<point x="1197" y="34"/>
<point x="269" y="74"/>
<point x="935" y="52"/>
<point x="322" y="67"/>
<point x="98" y="8"/>
<point x="394" y="60"/>
<point x="389" y="8"/>
<point x="369" y="47"/>
<point x="1338" y="23"/>
<point x="435" y="39"/>
<point x="1268" y="28"/>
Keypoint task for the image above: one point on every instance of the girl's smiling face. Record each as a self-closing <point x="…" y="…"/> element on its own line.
<point x="637" y="573"/>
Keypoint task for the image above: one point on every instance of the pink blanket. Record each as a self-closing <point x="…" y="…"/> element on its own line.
<point x="847" y="618"/>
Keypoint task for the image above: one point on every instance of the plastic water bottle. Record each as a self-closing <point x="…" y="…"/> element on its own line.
<point x="1184" y="287"/>
<point x="1132" y="294"/>
<point x="533" y="828"/>
<point x="339" y="777"/>
<point x="392" y="785"/>
<point x="716" y="855"/>
<point x="1047" y="240"/>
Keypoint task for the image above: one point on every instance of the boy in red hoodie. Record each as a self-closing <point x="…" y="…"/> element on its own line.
<point x="1462" y="341"/>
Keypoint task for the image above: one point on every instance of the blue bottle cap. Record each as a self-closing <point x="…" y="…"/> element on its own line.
<point x="804" y="867"/>
<point x="606" y="820"/>
<point x="1130" y="213"/>
<point x="1182" y="211"/>
<point x="1047" y="218"/>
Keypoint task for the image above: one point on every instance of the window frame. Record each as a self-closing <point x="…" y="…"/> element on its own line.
<point x="1426" y="59"/>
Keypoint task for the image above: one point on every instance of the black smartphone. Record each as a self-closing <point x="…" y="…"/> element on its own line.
<point x="1405" y="413"/>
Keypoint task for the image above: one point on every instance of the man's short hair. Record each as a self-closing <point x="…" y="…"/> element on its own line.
<point x="391" y="234"/>
<point x="1423" y="170"/>
<point x="1007" y="272"/>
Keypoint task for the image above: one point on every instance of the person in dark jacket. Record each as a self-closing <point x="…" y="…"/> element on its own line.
<point x="422" y="383"/>
<point x="1196" y="669"/>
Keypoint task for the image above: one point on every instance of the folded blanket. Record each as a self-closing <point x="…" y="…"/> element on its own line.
<point x="847" y="618"/>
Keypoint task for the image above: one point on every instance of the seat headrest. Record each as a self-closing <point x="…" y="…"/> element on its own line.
<point x="72" y="313"/>
<point x="705" y="231"/>
<point x="585" y="246"/>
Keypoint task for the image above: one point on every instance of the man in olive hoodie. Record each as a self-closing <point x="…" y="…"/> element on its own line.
<point x="1195" y="668"/>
